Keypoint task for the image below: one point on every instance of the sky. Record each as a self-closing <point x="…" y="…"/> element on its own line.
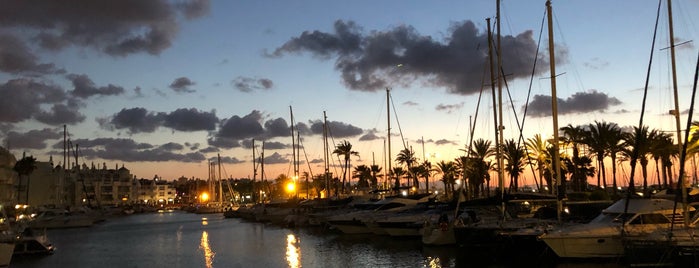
<point x="164" y="87"/>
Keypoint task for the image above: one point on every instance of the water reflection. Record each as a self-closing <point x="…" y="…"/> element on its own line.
<point x="208" y="253"/>
<point x="293" y="252"/>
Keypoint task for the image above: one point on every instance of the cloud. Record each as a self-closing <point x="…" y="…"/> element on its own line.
<point x="171" y="146"/>
<point x="449" y="108"/>
<point x="190" y="120"/>
<point x="273" y="145"/>
<point x="226" y="160"/>
<point x="181" y="85"/>
<point x="138" y="120"/>
<point x="33" y="139"/>
<point x="60" y="114"/>
<point x="239" y="128"/>
<point x="335" y="129"/>
<point x="83" y="87"/>
<point x="115" y="27"/>
<point x="24" y="99"/>
<point x="128" y="150"/>
<point x="445" y="142"/>
<point x="247" y="84"/>
<point x="370" y="136"/>
<point x="16" y="58"/>
<point x="275" y="158"/>
<point x="401" y="55"/>
<point x="581" y="102"/>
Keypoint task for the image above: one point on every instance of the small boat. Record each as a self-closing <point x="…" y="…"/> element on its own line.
<point x="33" y="241"/>
<point x="60" y="218"/>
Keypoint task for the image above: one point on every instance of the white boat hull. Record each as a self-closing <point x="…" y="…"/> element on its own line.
<point x="586" y="247"/>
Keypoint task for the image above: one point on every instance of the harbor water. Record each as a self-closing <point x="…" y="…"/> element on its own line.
<point x="180" y="239"/>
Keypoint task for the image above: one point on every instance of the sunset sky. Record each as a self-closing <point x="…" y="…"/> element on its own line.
<point x="162" y="87"/>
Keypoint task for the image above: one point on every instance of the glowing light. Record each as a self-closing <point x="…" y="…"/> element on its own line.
<point x="293" y="253"/>
<point x="290" y="187"/>
<point x="405" y="193"/>
<point x="206" y="248"/>
<point x="204" y="197"/>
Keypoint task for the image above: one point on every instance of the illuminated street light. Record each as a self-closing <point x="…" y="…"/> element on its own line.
<point x="204" y="197"/>
<point x="290" y="187"/>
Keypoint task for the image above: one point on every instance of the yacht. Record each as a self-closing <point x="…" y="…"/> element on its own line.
<point x="60" y="218"/>
<point x="604" y="236"/>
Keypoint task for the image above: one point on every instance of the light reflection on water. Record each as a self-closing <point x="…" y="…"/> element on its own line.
<point x="182" y="239"/>
<point x="293" y="256"/>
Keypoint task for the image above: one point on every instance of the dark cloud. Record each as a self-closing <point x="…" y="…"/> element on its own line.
<point x="128" y="150"/>
<point x="273" y="145"/>
<point x="223" y="142"/>
<point x="181" y="85"/>
<point x="83" y="87"/>
<point x="138" y="120"/>
<point x="33" y="139"/>
<point x="276" y="158"/>
<point x="226" y="160"/>
<point x="400" y="55"/>
<point x="60" y="114"/>
<point x="449" y="108"/>
<point x="115" y="27"/>
<point x="581" y="102"/>
<point x="209" y="149"/>
<point x="190" y="120"/>
<point x="277" y="128"/>
<point x="24" y="99"/>
<point x="239" y="128"/>
<point x="370" y="136"/>
<point x="445" y="142"/>
<point x="194" y="8"/>
<point x="16" y="58"/>
<point x="247" y="84"/>
<point x="171" y="146"/>
<point x="335" y="129"/>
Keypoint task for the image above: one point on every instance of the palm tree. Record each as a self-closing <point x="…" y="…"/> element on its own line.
<point x="537" y="151"/>
<point x="514" y="154"/>
<point x="363" y="175"/>
<point x="407" y="157"/>
<point x="398" y="173"/>
<point x="24" y="167"/>
<point x="424" y="171"/>
<point x="375" y="170"/>
<point x="616" y="145"/>
<point x="582" y="167"/>
<point x="573" y="136"/>
<point x="639" y="140"/>
<point x="344" y="148"/>
<point x="663" y="150"/>
<point x="481" y="150"/>
<point x="599" y="139"/>
<point x="448" y="171"/>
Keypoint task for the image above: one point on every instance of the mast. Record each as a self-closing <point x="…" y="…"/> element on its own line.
<point x="388" y="122"/>
<point x="263" y="179"/>
<point x="492" y="87"/>
<point x="254" y="172"/>
<point x="501" y="170"/>
<point x="61" y="179"/>
<point x="220" y="181"/>
<point x="293" y="150"/>
<point x="325" y="154"/>
<point x="554" y="108"/>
